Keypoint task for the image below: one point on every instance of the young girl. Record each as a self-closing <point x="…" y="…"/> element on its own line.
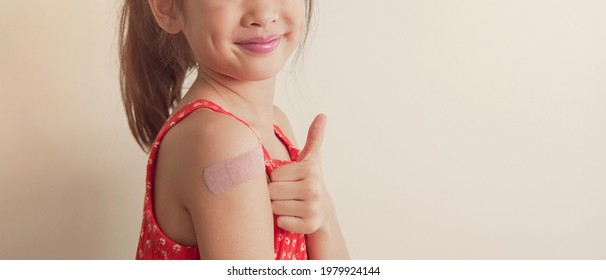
<point x="224" y="177"/>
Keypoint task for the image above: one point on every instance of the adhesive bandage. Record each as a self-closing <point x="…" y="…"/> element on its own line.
<point x="224" y="175"/>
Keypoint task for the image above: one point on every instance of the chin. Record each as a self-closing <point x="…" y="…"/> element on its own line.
<point x="258" y="72"/>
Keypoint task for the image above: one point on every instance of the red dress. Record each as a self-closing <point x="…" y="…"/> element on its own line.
<point x="154" y="244"/>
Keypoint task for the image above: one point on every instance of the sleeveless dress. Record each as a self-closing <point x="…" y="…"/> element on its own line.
<point x="154" y="244"/>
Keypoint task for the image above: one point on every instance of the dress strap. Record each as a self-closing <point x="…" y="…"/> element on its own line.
<point x="203" y="103"/>
<point x="207" y="104"/>
<point x="292" y="150"/>
<point x="191" y="107"/>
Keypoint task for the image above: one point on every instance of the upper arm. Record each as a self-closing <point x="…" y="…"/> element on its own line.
<point x="236" y="223"/>
<point x="284" y="124"/>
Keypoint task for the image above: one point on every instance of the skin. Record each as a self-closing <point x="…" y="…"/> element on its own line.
<point x="242" y="83"/>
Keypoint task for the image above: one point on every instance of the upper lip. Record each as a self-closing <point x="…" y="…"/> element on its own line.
<point x="259" y="39"/>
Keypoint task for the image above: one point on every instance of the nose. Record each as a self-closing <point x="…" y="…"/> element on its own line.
<point x="260" y="13"/>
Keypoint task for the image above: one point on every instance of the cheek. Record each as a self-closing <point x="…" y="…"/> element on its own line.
<point x="298" y="13"/>
<point x="295" y="16"/>
<point x="210" y="29"/>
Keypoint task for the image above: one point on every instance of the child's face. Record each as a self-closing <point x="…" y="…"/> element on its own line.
<point x="247" y="40"/>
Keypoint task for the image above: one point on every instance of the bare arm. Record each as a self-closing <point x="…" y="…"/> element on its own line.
<point x="236" y="223"/>
<point x="327" y="242"/>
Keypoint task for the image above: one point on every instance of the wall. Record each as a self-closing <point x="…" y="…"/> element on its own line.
<point x="457" y="129"/>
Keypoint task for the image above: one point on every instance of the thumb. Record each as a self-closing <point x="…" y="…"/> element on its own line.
<point x="315" y="136"/>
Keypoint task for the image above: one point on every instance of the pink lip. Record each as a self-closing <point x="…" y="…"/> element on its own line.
<point x="261" y="44"/>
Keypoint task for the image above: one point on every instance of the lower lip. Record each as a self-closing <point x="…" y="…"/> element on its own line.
<point x="262" y="48"/>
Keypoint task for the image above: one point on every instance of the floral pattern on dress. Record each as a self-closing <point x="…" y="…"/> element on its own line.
<point x="154" y="244"/>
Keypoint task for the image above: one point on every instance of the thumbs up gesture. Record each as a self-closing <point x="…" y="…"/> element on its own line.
<point x="297" y="191"/>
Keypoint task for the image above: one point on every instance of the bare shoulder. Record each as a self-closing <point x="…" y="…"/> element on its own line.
<point x="227" y="223"/>
<point x="202" y="139"/>
<point x="208" y="136"/>
<point x="284" y="124"/>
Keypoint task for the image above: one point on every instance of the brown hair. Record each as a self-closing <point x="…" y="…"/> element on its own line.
<point x="153" y="66"/>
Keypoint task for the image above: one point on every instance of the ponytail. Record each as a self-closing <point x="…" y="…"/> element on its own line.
<point x="153" y="66"/>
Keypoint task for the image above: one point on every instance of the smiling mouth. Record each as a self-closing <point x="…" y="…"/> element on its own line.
<point x="261" y="44"/>
<point x="260" y="40"/>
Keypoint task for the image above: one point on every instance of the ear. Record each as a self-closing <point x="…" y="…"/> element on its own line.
<point x="166" y="16"/>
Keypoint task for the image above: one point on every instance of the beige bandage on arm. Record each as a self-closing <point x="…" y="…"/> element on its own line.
<point x="224" y="175"/>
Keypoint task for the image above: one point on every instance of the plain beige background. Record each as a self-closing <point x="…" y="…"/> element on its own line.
<point x="469" y="129"/>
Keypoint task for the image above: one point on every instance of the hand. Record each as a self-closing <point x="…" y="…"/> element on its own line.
<point x="297" y="190"/>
